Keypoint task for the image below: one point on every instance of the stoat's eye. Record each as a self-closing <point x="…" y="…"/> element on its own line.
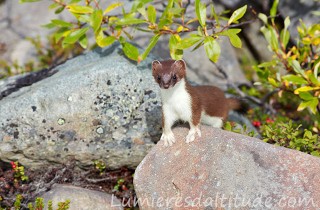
<point x="159" y="78"/>
<point x="174" y="77"/>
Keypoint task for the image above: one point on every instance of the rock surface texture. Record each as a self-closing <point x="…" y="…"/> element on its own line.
<point x="98" y="106"/>
<point x="81" y="199"/>
<point x="224" y="170"/>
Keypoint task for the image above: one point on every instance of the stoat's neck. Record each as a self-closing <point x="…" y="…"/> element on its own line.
<point x="178" y="89"/>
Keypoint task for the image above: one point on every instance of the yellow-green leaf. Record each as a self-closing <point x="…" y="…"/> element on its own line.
<point x="201" y="12"/>
<point x="74" y="8"/>
<point x="130" y="51"/>
<point x="233" y="37"/>
<point x="296" y="67"/>
<point x="112" y="7"/>
<point x="106" y="41"/>
<point x="129" y="21"/>
<point x="83" y="41"/>
<point x="263" y="17"/>
<point x="27" y="1"/>
<point x="214" y="14"/>
<point x="273" y="10"/>
<point x="273" y="82"/>
<point x="295" y="79"/>
<point x="212" y="48"/>
<point x="312" y="105"/>
<point x="175" y="53"/>
<point x="62" y="32"/>
<point x="61" y="23"/>
<point x="236" y="15"/>
<point x="75" y="35"/>
<point x="305" y="89"/>
<point x="188" y="42"/>
<point x="152" y="43"/>
<point x="306" y="96"/>
<point x="152" y="14"/>
<point x="96" y="20"/>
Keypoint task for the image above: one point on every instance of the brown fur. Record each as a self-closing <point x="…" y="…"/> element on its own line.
<point x="209" y="99"/>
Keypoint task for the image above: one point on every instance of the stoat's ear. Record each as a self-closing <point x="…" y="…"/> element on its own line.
<point x="179" y="65"/>
<point x="155" y="65"/>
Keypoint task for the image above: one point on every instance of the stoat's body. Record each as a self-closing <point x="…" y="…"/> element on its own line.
<point x="181" y="101"/>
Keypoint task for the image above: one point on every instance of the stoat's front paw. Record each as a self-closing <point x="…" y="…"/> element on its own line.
<point x="168" y="139"/>
<point x="192" y="134"/>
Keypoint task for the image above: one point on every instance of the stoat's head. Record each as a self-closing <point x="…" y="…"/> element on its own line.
<point x="168" y="73"/>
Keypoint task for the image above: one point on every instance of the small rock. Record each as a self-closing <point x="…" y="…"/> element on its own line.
<point x="100" y="130"/>
<point x="81" y="199"/>
<point x="61" y="121"/>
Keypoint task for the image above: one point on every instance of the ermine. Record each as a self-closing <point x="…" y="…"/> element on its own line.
<point x="192" y="104"/>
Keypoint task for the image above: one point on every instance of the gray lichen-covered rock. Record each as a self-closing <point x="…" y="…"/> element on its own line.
<point x="96" y="106"/>
<point x="81" y="199"/>
<point x="224" y="170"/>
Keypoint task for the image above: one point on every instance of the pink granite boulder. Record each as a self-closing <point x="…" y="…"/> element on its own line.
<point x="224" y="170"/>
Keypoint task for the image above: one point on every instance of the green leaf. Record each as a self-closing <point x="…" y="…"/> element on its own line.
<point x="312" y="104"/>
<point x="236" y="15"/>
<point x="296" y="67"/>
<point x="74" y="8"/>
<point x="62" y="32"/>
<point x="285" y="37"/>
<point x="313" y="79"/>
<point x="295" y="79"/>
<point x="233" y="37"/>
<point x="49" y="25"/>
<point x="286" y="22"/>
<point x="165" y="18"/>
<point x="59" y="10"/>
<point x="152" y="43"/>
<point x="273" y="82"/>
<point x="74" y="1"/>
<point x="175" y="53"/>
<point x="27" y="1"/>
<point x="201" y="12"/>
<point x="143" y="12"/>
<point x="306" y="96"/>
<point x="188" y="42"/>
<point x="263" y="17"/>
<point x="129" y="21"/>
<point x="274" y="39"/>
<point x="96" y="20"/>
<point x="212" y="48"/>
<point x="83" y="41"/>
<point x="130" y="51"/>
<point x="139" y="4"/>
<point x="75" y="36"/>
<point x="214" y="14"/>
<point x="228" y="126"/>
<point x="106" y="41"/>
<point x="61" y="23"/>
<point x="112" y="7"/>
<point x="305" y="89"/>
<point x="273" y="10"/>
<point x="53" y="6"/>
<point x="176" y="11"/>
<point x="152" y="14"/>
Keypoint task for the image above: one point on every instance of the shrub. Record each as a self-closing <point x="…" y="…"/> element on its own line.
<point x="143" y="15"/>
<point x="293" y="69"/>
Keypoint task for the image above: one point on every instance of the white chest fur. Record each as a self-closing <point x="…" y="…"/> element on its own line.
<point x="176" y="103"/>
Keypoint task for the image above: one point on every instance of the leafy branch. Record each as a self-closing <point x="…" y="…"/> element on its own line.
<point x="144" y="16"/>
